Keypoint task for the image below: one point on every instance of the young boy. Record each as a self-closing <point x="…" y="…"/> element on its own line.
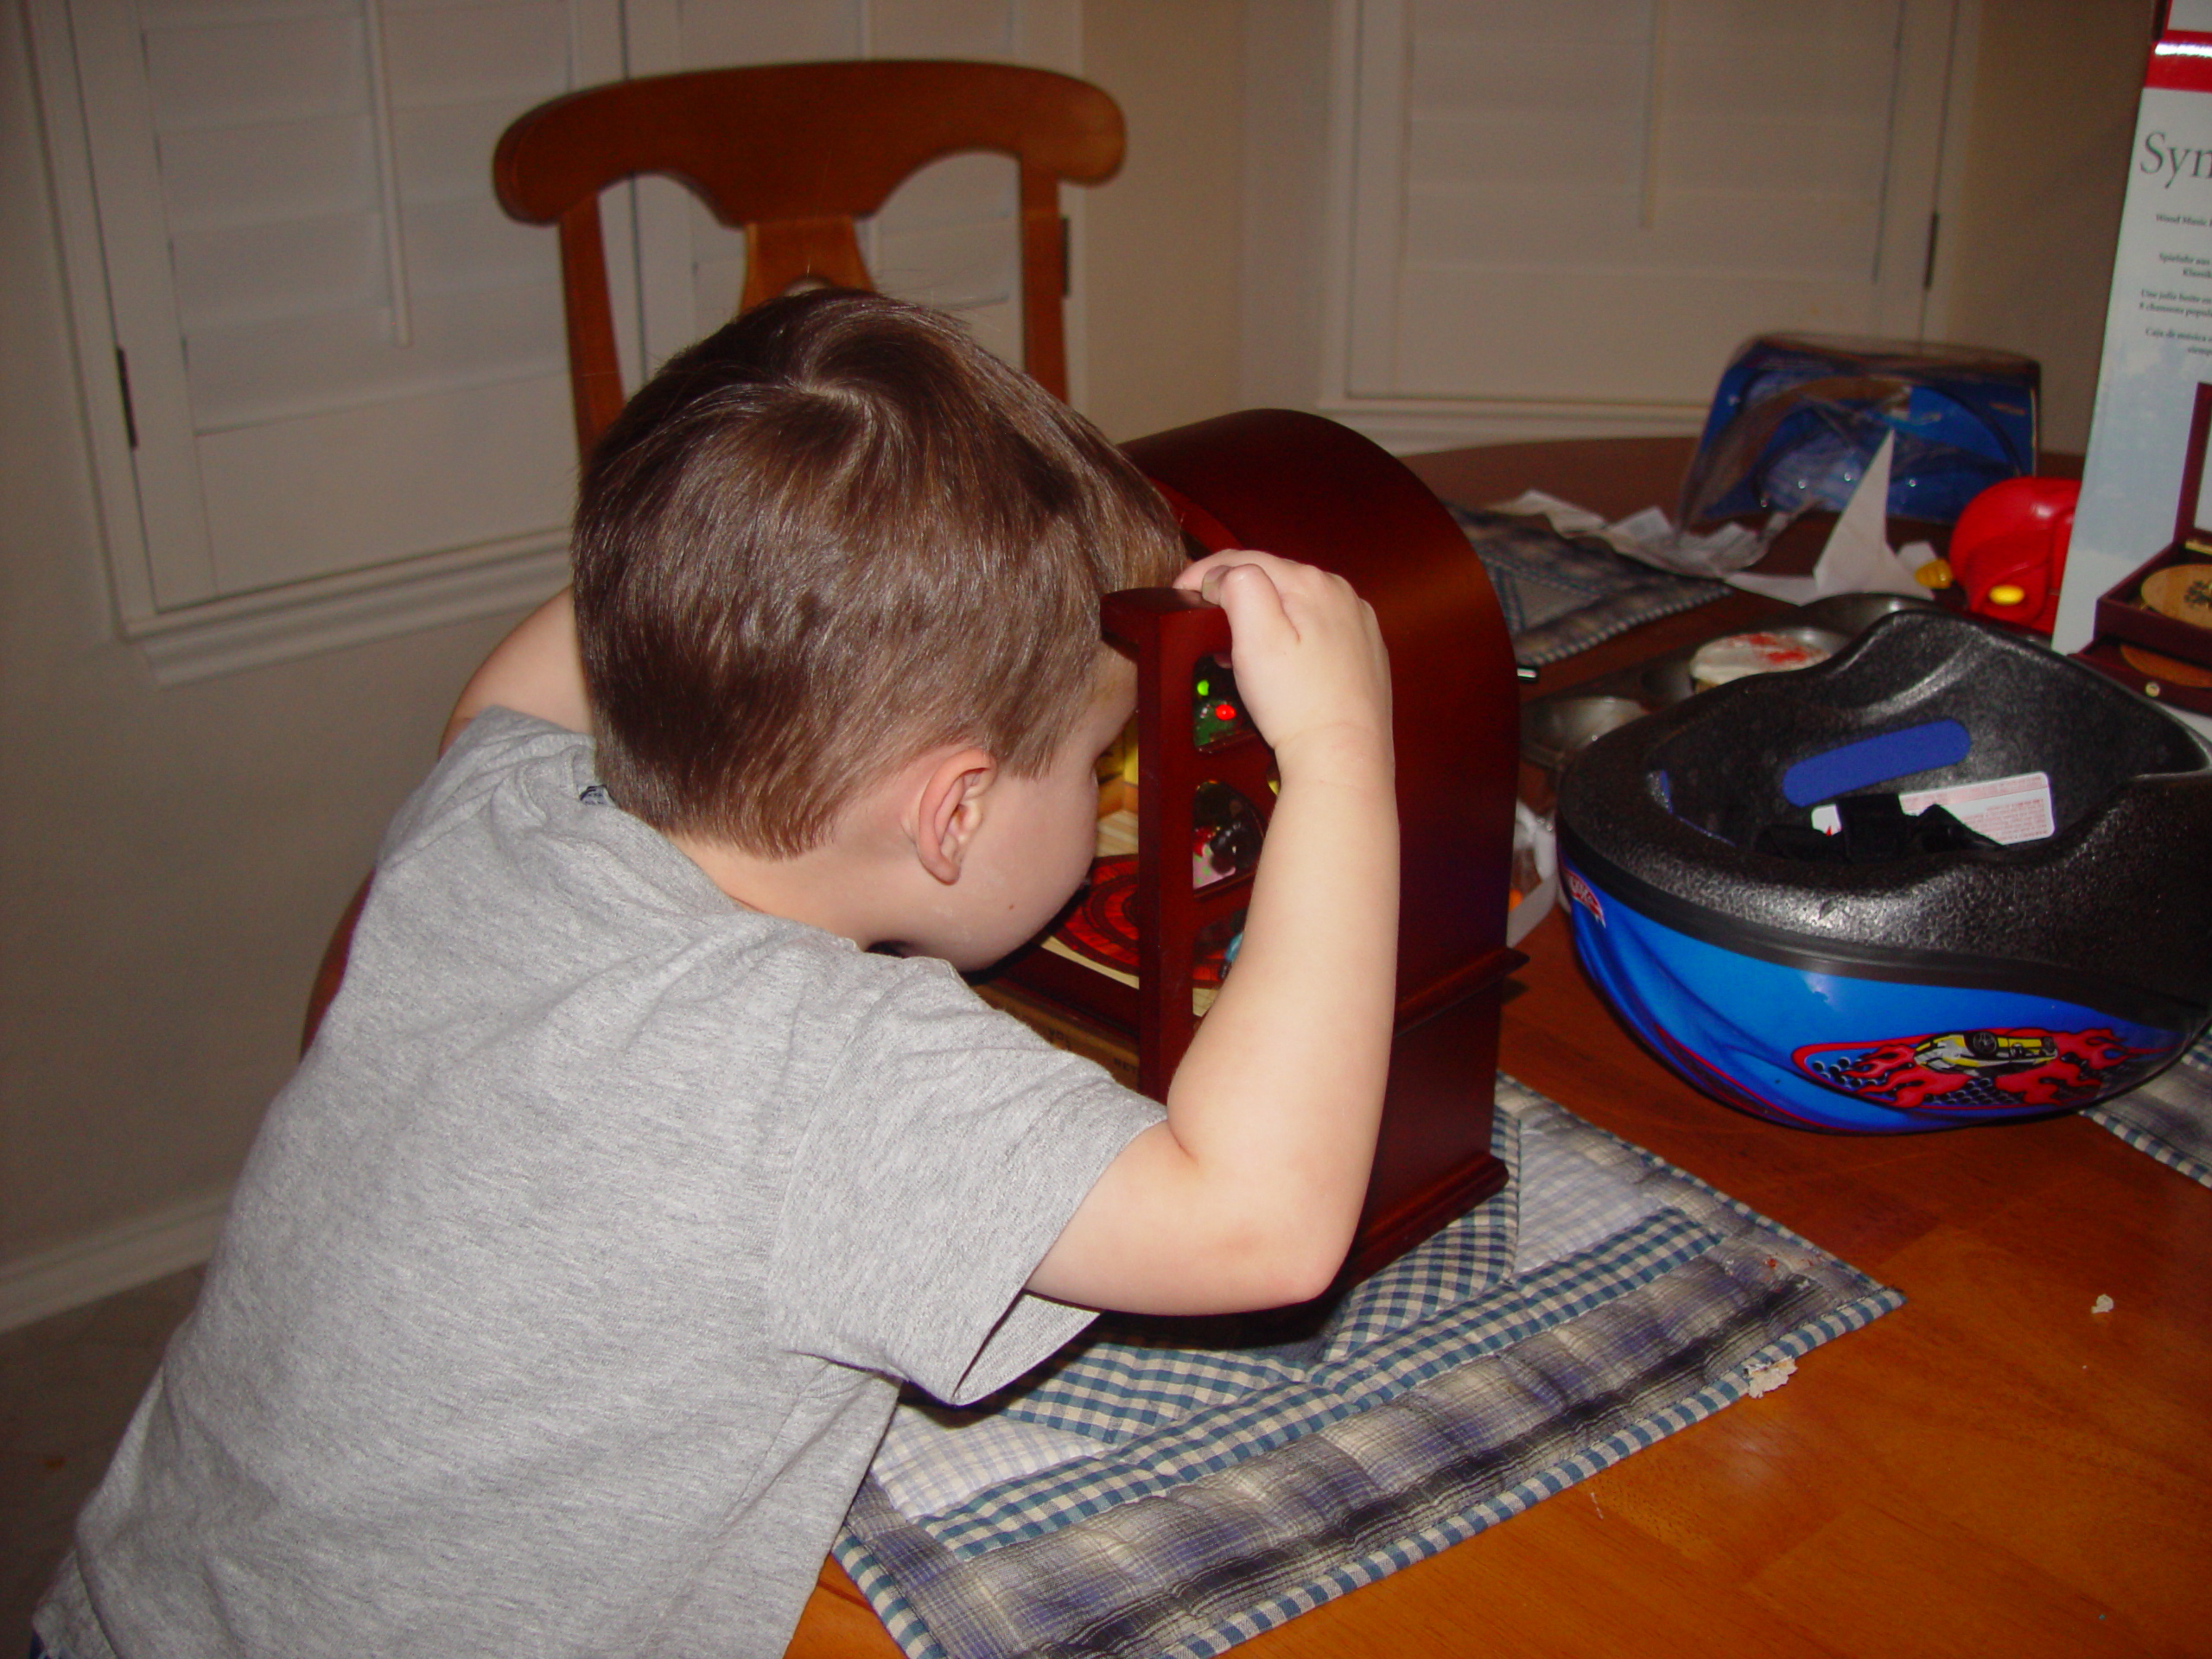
<point x="651" y="1141"/>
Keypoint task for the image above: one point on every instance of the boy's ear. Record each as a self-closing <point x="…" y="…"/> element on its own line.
<point x="950" y="811"/>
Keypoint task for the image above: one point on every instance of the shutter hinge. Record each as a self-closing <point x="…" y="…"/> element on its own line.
<point x="123" y="383"/>
<point x="1928" y="275"/>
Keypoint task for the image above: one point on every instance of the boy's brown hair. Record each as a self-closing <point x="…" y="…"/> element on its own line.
<point x="832" y="535"/>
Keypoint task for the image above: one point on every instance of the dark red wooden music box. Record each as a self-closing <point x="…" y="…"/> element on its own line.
<point x="2160" y="655"/>
<point x="1310" y="489"/>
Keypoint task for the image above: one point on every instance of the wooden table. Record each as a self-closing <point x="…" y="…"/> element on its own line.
<point x="1995" y="1470"/>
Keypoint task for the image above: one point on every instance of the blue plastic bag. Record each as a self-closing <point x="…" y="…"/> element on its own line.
<point x="1797" y="417"/>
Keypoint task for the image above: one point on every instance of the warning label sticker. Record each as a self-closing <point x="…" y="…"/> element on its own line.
<point x="2007" y="809"/>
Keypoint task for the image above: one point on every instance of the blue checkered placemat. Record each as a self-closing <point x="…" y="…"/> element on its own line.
<point x="1564" y="594"/>
<point x="1171" y="1488"/>
<point x="2171" y="1117"/>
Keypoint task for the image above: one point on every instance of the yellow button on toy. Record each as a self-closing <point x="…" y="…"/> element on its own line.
<point x="2007" y="592"/>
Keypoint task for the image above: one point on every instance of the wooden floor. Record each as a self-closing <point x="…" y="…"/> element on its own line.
<point x="1996" y="1470"/>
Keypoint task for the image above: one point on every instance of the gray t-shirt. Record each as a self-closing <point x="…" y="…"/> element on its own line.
<point x="560" y="1300"/>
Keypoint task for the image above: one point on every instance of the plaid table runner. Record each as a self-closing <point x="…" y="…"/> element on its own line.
<point x="1564" y="594"/>
<point x="2171" y="1117"/>
<point x="1175" y="1487"/>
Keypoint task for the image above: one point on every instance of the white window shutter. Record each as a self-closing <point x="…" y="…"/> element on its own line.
<point x="347" y="398"/>
<point x="1571" y="212"/>
<point x="347" y="411"/>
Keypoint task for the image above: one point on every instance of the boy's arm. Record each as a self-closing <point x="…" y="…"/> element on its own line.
<point x="1248" y="1195"/>
<point x="536" y="669"/>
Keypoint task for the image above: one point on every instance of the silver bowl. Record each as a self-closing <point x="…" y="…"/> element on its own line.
<point x="1853" y="614"/>
<point x="1555" y="730"/>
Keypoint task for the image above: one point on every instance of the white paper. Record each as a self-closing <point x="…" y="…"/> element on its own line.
<point x="1566" y="518"/>
<point x="1857" y="559"/>
<point x="2006" y="810"/>
<point x="2158" y="348"/>
<point x="1648" y="536"/>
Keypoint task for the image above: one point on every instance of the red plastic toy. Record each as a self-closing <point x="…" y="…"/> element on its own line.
<point x="2008" y="549"/>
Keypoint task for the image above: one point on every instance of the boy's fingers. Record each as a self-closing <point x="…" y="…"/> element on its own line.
<point x="1289" y="577"/>
<point x="1274" y="602"/>
<point x="1205" y="573"/>
<point x="1268" y="572"/>
<point x="1217" y="580"/>
<point x="1256" y="611"/>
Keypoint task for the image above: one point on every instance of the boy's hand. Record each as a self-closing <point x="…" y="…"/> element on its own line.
<point x="1307" y="654"/>
<point x="1248" y="1195"/>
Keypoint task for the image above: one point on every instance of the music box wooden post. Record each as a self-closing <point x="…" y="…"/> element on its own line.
<point x="1310" y="489"/>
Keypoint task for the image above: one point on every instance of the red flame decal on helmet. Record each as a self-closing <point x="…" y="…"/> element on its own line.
<point x="1581" y="893"/>
<point x="1993" y="1071"/>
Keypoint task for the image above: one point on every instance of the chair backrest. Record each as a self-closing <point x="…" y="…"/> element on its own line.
<point x="793" y="154"/>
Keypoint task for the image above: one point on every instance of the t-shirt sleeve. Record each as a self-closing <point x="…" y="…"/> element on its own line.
<point x="951" y="1147"/>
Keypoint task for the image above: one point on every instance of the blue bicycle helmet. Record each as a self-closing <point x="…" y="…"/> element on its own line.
<point x="1940" y="979"/>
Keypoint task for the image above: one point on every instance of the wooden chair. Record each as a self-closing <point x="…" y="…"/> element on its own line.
<point x="793" y="154"/>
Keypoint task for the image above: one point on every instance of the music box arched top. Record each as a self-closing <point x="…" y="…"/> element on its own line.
<point x="1296" y="483"/>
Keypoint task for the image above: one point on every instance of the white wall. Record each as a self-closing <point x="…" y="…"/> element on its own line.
<point x="2027" y="247"/>
<point x="1286" y="202"/>
<point x="1164" y="235"/>
<point x="170" y="860"/>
